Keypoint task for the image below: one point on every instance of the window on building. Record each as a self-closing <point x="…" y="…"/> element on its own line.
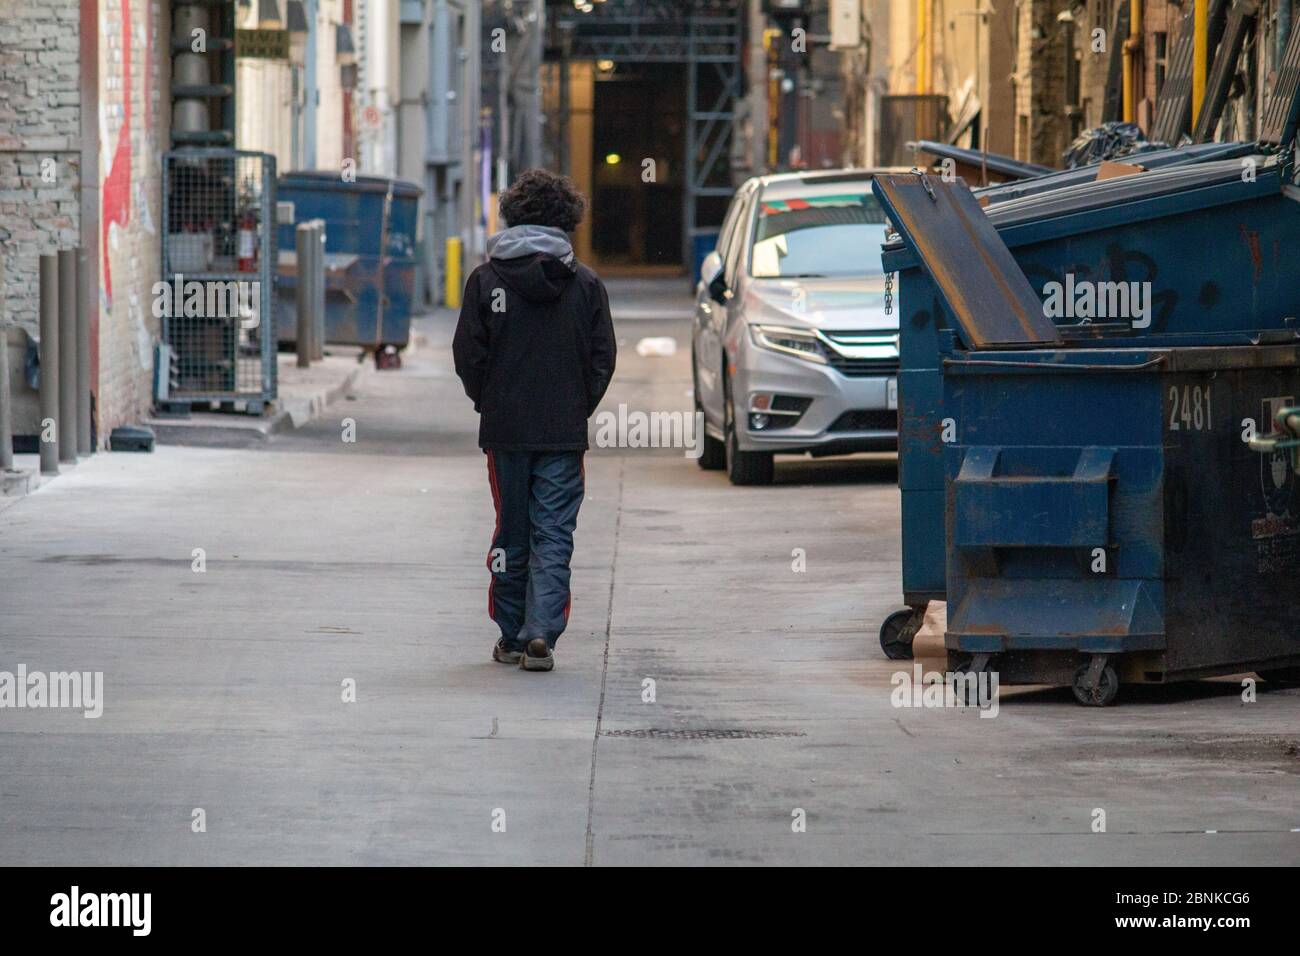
<point x="1161" y="60"/>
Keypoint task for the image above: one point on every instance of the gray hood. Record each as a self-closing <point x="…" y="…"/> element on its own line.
<point x="520" y="241"/>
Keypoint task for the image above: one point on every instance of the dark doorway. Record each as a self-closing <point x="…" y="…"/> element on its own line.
<point x="638" y="145"/>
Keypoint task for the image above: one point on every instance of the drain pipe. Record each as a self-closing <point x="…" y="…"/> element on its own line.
<point x="1131" y="51"/>
<point x="67" y="265"/>
<point x="49" y="359"/>
<point x="1200" y="53"/>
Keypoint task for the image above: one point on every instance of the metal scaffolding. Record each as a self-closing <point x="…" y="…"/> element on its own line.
<point x="706" y="36"/>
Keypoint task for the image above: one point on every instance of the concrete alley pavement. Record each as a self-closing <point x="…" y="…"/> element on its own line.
<point x="330" y="561"/>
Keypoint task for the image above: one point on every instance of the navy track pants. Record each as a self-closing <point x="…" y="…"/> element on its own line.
<point x="537" y="495"/>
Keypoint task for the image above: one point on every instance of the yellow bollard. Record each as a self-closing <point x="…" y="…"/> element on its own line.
<point x="1200" y="55"/>
<point x="451" y="292"/>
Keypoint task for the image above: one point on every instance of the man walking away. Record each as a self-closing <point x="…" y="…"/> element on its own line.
<point x="535" y="349"/>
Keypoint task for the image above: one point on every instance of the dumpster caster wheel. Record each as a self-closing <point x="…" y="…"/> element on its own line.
<point x="1096" y="685"/>
<point x="897" y="632"/>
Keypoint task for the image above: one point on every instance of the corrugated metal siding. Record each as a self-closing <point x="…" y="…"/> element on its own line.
<point x="1174" y="107"/>
<point x="1279" y="123"/>
<point x="1241" y="23"/>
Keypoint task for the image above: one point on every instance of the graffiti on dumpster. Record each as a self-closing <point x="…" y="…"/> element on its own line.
<point x="1121" y="265"/>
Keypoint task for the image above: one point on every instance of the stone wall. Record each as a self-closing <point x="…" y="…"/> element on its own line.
<point x="40" y="151"/>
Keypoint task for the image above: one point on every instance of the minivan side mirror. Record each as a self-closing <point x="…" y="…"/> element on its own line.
<point x="718" y="289"/>
<point x="710" y="266"/>
<point x="711" y="275"/>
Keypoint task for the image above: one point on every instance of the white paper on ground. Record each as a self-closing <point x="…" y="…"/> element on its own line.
<point x="657" y="347"/>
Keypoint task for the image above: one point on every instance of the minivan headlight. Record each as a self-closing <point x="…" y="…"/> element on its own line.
<point x="779" y="338"/>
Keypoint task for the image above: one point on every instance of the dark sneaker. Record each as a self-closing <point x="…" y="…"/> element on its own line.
<point x="537" y="656"/>
<point x="504" y="655"/>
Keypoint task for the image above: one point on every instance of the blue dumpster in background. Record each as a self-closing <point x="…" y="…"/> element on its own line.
<point x="1104" y="517"/>
<point x="370" y="246"/>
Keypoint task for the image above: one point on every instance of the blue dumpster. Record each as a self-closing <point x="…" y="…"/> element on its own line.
<point x="1208" y="234"/>
<point x="1213" y="225"/>
<point x="370" y="244"/>
<point x="1104" y="516"/>
<point x="1210" y="244"/>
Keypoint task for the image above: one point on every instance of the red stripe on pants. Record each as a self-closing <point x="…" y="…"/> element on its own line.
<point x="496" y="504"/>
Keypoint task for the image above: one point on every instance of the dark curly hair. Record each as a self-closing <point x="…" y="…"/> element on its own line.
<point x="542" y="198"/>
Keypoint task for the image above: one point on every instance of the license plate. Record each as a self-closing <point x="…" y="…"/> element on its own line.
<point x="891" y="394"/>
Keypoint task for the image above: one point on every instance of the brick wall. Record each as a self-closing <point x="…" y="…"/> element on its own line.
<point x="41" y="186"/>
<point x="40" y="152"/>
<point x="1094" y="65"/>
<point x="134" y="57"/>
<point x="1158" y="17"/>
<point x="1042" y="129"/>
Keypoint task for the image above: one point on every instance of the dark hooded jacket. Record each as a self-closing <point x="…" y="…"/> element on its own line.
<point x="534" y="346"/>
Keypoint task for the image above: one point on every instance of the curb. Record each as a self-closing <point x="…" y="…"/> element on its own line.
<point x="234" y="431"/>
<point x="301" y="412"/>
<point x="16" y="485"/>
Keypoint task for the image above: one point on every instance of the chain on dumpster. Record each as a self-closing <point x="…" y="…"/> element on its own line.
<point x="889" y="293"/>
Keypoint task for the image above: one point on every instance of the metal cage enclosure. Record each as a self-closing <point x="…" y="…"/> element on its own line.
<point x="219" y="260"/>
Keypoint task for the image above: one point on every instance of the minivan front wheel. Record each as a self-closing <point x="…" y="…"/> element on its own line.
<point x="713" y="453"/>
<point x="743" y="467"/>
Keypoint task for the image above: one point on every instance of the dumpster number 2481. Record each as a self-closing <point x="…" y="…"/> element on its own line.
<point x="1190" y="408"/>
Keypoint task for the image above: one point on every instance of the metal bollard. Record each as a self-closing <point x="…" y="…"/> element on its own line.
<point x="68" y="356"/>
<point x="302" y="236"/>
<point x="6" y="421"/>
<point x="49" y="356"/>
<point x="83" y="354"/>
<point x="451" y="274"/>
<point x="318" y="294"/>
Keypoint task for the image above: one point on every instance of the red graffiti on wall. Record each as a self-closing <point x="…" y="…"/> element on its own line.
<point x="117" y="184"/>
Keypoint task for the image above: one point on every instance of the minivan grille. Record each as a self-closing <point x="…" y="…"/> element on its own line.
<point x="861" y="353"/>
<point x="859" y="367"/>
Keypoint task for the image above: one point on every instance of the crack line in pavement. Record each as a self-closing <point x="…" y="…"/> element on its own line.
<point x="604" y="671"/>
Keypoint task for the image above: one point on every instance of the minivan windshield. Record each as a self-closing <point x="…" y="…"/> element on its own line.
<point x="818" y="236"/>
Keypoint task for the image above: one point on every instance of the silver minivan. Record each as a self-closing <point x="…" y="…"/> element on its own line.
<point x="791" y="349"/>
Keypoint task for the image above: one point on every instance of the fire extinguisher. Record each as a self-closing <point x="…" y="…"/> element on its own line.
<point x="248" y="241"/>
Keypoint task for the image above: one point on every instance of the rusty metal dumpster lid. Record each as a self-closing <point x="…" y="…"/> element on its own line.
<point x="944" y="226"/>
